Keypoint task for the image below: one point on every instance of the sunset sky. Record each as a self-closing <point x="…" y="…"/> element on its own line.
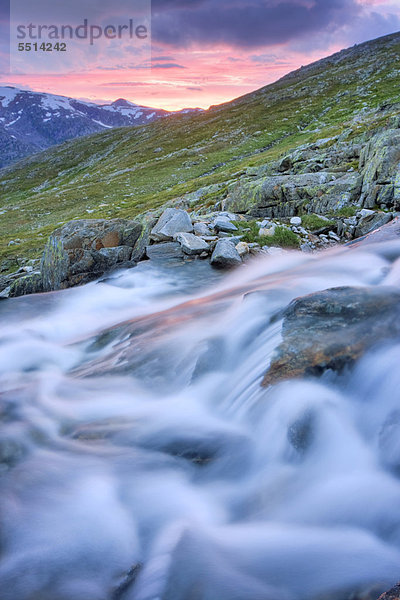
<point x="206" y="52"/>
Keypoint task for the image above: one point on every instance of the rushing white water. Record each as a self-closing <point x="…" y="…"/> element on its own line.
<point x="135" y="433"/>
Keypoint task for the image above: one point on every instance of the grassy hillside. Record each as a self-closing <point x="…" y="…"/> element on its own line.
<point x="128" y="171"/>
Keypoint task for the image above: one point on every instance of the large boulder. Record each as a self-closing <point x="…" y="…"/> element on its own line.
<point x="332" y="329"/>
<point x="225" y="255"/>
<point x="83" y="250"/>
<point x="171" y="222"/>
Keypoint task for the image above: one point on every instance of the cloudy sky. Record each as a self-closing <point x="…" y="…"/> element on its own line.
<point x="205" y="52"/>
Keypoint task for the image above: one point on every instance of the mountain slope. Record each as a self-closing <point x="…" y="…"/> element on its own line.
<point x="125" y="172"/>
<point x="33" y="121"/>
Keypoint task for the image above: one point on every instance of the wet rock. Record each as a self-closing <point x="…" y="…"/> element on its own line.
<point x="372" y="221"/>
<point x="332" y="329"/>
<point x="393" y="594"/>
<point x="168" y="251"/>
<point x="191" y="244"/>
<point x="31" y="284"/>
<point x="171" y="222"/>
<point x="225" y="255"/>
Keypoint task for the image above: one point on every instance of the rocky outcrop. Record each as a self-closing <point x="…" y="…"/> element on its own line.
<point x="285" y="196"/>
<point x="380" y="166"/>
<point x="332" y="329"/>
<point x="82" y="251"/>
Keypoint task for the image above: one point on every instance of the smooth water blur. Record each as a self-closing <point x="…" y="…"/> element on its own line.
<point x="135" y="433"/>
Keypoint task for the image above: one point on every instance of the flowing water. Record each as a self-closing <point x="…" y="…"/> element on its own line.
<point x="141" y="459"/>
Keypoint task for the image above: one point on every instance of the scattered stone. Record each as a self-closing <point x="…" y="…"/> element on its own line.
<point x="202" y="229"/>
<point x="332" y="329"/>
<point x="242" y="249"/>
<point x="171" y="222"/>
<point x="334" y="237"/>
<point x="225" y="255"/>
<point x="268" y="232"/>
<point x="296" y="221"/>
<point x="225" y="226"/>
<point x="191" y="244"/>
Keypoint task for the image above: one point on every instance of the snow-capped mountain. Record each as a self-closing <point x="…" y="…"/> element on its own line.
<point x="33" y="121"/>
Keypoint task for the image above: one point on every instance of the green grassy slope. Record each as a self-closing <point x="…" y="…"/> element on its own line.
<point x="128" y="171"/>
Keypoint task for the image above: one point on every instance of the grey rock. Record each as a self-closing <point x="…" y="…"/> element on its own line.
<point x="171" y="222"/>
<point x="202" y="229"/>
<point x="165" y="252"/>
<point x="225" y="255"/>
<point x="379" y="162"/>
<point x="332" y="329"/>
<point x="30" y="284"/>
<point x="224" y="226"/>
<point x="191" y="244"/>
<point x="283" y="196"/>
<point x="371" y="222"/>
<point x="295" y="221"/>
<point x="83" y="250"/>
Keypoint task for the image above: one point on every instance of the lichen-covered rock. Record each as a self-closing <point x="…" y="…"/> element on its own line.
<point x="171" y="222"/>
<point x="83" y="250"/>
<point x="30" y="284"/>
<point x="225" y="255"/>
<point x="332" y="329"/>
<point x="380" y="165"/>
<point x="284" y="196"/>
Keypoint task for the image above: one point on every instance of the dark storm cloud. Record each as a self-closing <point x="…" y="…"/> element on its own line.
<point x="246" y="23"/>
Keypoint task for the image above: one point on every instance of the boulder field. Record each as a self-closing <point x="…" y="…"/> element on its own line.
<point x="83" y="250"/>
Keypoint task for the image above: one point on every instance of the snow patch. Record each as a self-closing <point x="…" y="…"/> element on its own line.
<point x="7" y="95"/>
<point x="102" y="124"/>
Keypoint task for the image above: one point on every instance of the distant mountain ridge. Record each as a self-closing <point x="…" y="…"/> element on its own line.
<point x="33" y="121"/>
